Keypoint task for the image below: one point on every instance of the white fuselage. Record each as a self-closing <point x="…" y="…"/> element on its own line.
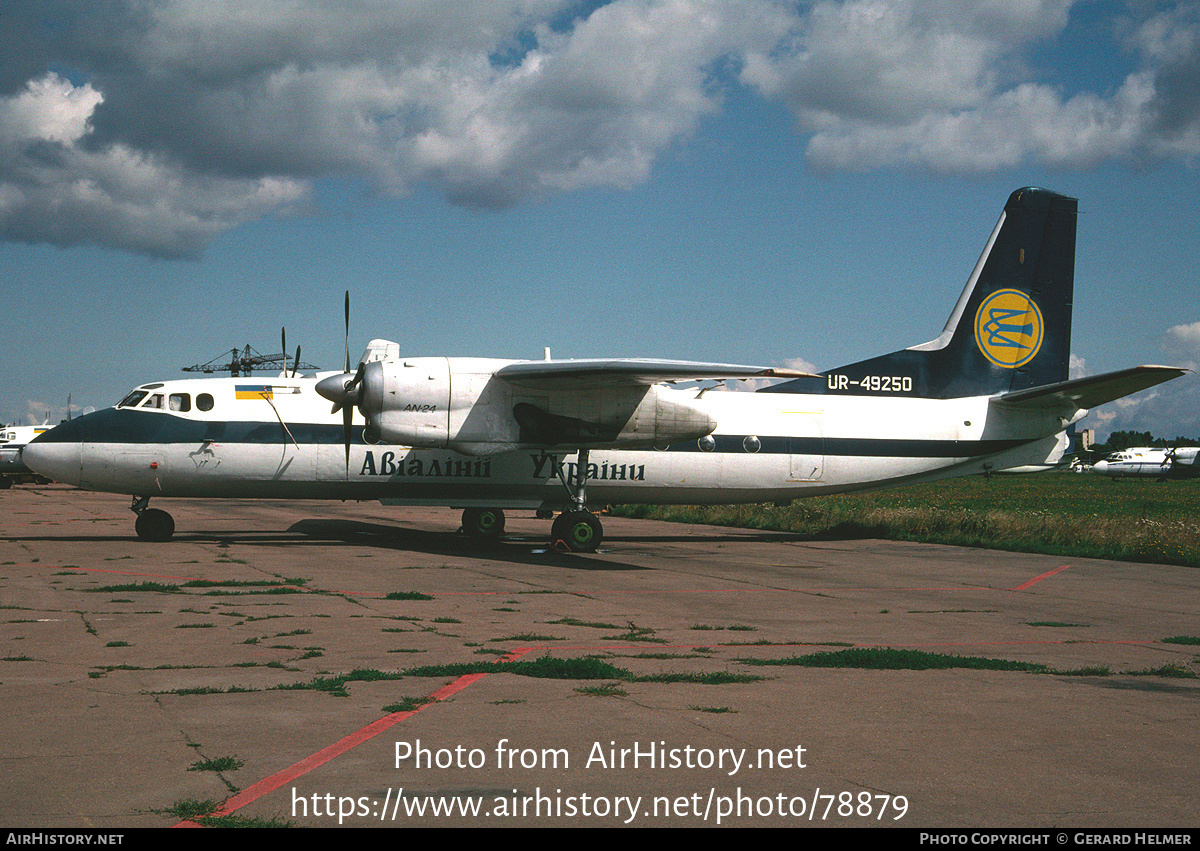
<point x="276" y="438"/>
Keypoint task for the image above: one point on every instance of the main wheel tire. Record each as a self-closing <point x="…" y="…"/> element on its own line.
<point x="579" y="530"/>
<point x="483" y="522"/>
<point x="154" y="524"/>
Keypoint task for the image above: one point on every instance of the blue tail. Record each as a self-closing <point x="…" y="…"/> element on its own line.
<point x="1011" y="327"/>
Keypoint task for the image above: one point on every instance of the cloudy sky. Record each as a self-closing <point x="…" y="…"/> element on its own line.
<point x="753" y="182"/>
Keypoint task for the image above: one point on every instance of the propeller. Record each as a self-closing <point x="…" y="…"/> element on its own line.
<point x="344" y="393"/>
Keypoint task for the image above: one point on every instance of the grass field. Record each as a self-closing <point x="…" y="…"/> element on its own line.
<point x="1057" y="513"/>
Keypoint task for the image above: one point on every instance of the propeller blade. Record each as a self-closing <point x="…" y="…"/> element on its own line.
<point x="347" y="369"/>
<point x="283" y="346"/>
<point x="296" y="365"/>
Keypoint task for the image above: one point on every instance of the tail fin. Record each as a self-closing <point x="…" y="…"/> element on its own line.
<point x="1011" y="327"/>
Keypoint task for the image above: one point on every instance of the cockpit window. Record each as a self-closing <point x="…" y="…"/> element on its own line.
<point x="180" y="402"/>
<point x="132" y="399"/>
<point x="155" y="401"/>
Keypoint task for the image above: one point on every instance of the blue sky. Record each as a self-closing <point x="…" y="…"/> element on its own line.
<point x="752" y="182"/>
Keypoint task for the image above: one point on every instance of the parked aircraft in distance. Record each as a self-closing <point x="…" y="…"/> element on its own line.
<point x="1176" y="462"/>
<point x="990" y="393"/>
<point x="12" y="441"/>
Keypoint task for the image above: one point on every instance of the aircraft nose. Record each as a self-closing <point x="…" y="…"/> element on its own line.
<point x="1100" y="467"/>
<point x="59" y="462"/>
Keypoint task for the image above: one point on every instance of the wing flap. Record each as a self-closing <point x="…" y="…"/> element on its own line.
<point x="627" y="372"/>
<point x="1085" y="393"/>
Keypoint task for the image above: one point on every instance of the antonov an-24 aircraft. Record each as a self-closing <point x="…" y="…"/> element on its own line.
<point x="991" y="393"/>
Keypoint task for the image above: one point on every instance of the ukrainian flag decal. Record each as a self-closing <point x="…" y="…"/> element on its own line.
<point x="252" y="391"/>
<point x="1008" y="328"/>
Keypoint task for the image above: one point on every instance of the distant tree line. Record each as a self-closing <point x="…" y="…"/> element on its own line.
<point x="1119" y="440"/>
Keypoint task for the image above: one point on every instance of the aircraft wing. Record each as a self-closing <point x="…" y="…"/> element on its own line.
<point x="1093" y="390"/>
<point x="614" y="372"/>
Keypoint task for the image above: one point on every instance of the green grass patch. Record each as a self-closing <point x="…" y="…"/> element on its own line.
<point x="1087" y="671"/>
<point x="1055" y="623"/>
<point x="158" y="587"/>
<point x="1182" y="639"/>
<point x="336" y="685"/>
<point x="527" y="637"/>
<point x="201" y="812"/>
<point x="407" y="595"/>
<point x="711" y="678"/>
<point x="407" y="704"/>
<point x="1173" y="670"/>
<point x="576" y="622"/>
<point x="544" y="667"/>
<point x="1054" y="513"/>
<point x="892" y="659"/>
<point x="222" y="763"/>
<point x="243" y="583"/>
<point x="191" y="808"/>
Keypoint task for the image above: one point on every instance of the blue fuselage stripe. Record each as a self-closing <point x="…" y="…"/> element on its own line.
<point x="129" y="426"/>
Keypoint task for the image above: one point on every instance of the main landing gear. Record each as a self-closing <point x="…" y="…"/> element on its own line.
<point x="152" y="524"/>
<point x="579" y="530"/>
<point x="483" y="523"/>
<point x="576" y="528"/>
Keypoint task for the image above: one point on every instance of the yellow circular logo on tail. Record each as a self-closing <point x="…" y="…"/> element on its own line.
<point x="1008" y="328"/>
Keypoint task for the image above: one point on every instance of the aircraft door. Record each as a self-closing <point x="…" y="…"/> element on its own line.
<point x="806" y="445"/>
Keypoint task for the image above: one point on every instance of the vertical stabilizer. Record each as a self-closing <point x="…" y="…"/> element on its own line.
<point x="1010" y="329"/>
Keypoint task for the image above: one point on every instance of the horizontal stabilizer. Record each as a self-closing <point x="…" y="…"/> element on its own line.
<point x="1085" y="393"/>
<point x="609" y="372"/>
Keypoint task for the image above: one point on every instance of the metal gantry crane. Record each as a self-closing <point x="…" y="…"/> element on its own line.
<point x="244" y="361"/>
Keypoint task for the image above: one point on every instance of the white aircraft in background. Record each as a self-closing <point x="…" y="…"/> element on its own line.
<point x="12" y="442"/>
<point x="1178" y="462"/>
<point x="991" y="393"/>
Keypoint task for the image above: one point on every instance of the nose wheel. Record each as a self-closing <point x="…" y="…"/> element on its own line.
<point x="152" y="524"/>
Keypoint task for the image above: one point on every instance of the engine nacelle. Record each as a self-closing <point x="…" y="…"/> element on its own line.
<point x="407" y="401"/>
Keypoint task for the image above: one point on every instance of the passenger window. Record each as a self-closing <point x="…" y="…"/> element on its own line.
<point x="204" y="402"/>
<point x="180" y="402"/>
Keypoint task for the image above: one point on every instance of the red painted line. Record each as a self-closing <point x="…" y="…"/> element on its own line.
<point x="299" y="769"/>
<point x="1038" y="579"/>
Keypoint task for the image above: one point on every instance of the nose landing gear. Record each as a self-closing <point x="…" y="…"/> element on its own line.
<point x="152" y="524"/>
